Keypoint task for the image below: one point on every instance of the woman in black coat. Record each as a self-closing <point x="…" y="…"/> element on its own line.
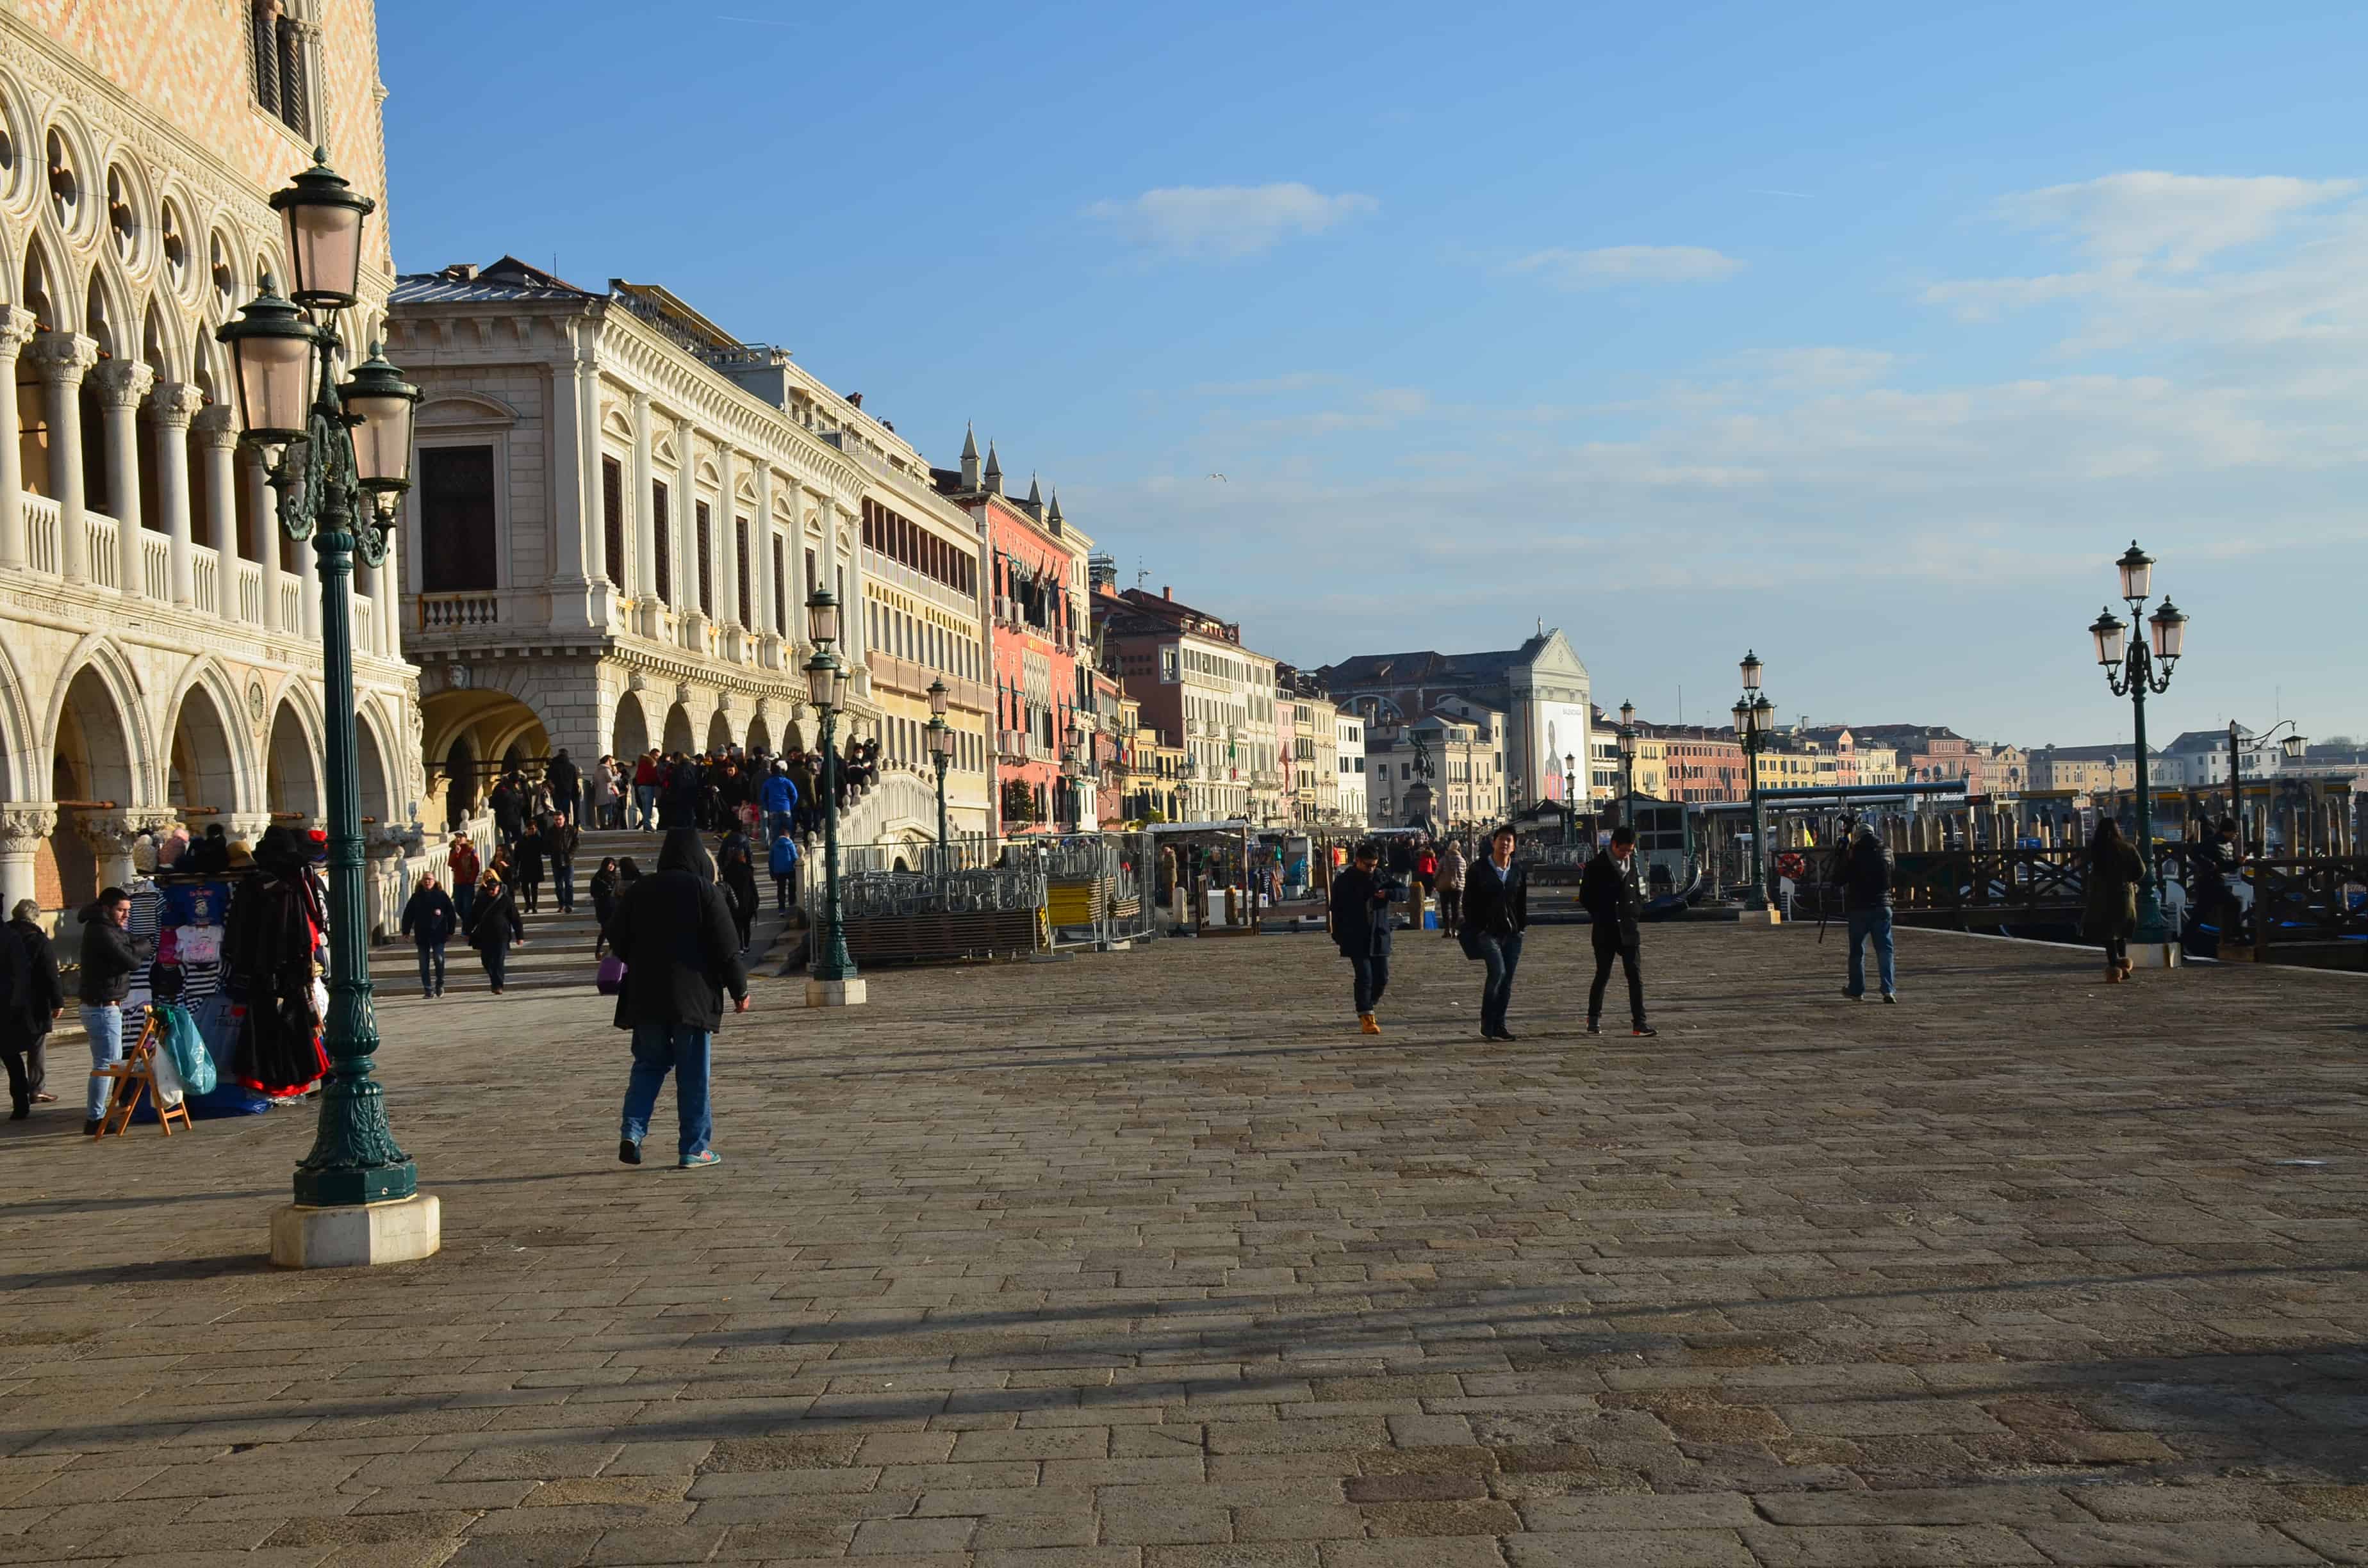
<point x="29" y="1003"/>
<point x="494" y="928"/>
<point x="737" y="872"/>
<point x="1360" y="926"/>
<point x="526" y="872"/>
<point x="604" y="902"/>
<point x="2111" y="912"/>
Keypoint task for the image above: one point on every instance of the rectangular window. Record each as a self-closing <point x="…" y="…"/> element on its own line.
<point x="780" y="596"/>
<point x="741" y="611"/>
<point x="456" y="519"/>
<point x="705" y="529"/>
<point x="664" y="528"/>
<point x="612" y="520"/>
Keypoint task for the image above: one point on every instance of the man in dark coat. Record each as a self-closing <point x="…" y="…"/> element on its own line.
<point x="1496" y="915"/>
<point x="566" y="782"/>
<point x="108" y="961"/>
<point x="430" y="919"/>
<point x="1864" y="869"/>
<point x="30" y="1000"/>
<point x="1608" y="889"/>
<point x="682" y="951"/>
<point x="1360" y="925"/>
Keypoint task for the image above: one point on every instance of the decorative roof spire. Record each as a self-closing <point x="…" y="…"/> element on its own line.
<point x="1054" y="514"/>
<point x="993" y="470"/>
<point x="970" y="442"/>
<point x="1035" y="496"/>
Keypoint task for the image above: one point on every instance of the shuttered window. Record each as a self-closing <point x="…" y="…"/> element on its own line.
<point x="740" y="606"/>
<point x="664" y="562"/>
<point x="706" y="558"/>
<point x="612" y="520"/>
<point x="456" y="519"/>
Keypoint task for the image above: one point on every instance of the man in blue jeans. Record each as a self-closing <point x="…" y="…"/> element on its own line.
<point x="108" y="961"/>
<point x="1864" y="869"/>
<point x="682" y="949"/>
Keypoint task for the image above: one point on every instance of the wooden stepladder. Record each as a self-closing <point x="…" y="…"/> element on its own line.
<point x="137" y="1073"/>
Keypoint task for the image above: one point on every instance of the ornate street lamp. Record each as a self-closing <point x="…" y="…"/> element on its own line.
<point x="2292" y="748"/>
<point x="337" y="458"/>
<point x="941" y="747"/>
<point x="2129" y="665"/>
<point x="1569" y="798"/>
<point x="1628" y="763"/>
<point x="834" y="981"/>
<point x="1754" y="723"/>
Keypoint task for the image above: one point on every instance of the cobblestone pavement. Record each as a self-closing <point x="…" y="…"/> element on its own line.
<point x="1149" y="1261"/>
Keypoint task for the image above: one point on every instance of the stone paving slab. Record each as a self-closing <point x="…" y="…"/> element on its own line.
<point x="1147" y="1261"/>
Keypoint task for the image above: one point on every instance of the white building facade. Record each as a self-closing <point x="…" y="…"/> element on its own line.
<point x="620" y="512"/>
<point x="160" y="657"/>
<point x="1348" y="742"/>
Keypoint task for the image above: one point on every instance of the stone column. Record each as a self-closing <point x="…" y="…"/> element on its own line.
<point x="645" y="532"/>
<point x="174" y="405"/>
<point x="266" y="541"/>
<point x="121" y="384"/>
<point x="308" y="591"/>
<point x="760" y="539"/>
<point x="796" y="588"/>
<point x="24" y="827"/>
<point x="684" y="518"/>
<point x="110" y="833"/>
<point x="570" y="505"/>
<point x="62" y="358"/>
<point x="725" y="536"/>
<point x="15" y="542"/>
<point x="860" y="633"/>
<point x="384" y="596"/>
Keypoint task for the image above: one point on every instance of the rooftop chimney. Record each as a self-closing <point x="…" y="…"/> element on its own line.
<point x="1165" y="592"/>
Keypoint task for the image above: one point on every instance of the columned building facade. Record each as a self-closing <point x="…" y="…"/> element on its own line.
<point x="620" y="512"/>
<point x="160" y="657"/>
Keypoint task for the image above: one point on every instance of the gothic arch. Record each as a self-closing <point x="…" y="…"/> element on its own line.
<point x="111" y="674"/>
<point x="292" y="776"/>
<point x="211" y="684"/>
<point x="38" y="286"/>
<point x="375" y="778"/>
<point x="18" y="750"/>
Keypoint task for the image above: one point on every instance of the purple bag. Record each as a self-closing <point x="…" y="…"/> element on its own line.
<point x="610" y="977"/>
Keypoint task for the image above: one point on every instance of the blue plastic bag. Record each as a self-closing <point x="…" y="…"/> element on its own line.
<point x="190" y="1058"/>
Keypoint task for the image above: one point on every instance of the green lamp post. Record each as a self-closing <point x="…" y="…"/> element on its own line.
<point x="1628" y="764"/>
<point x="942" y="748"/>
<point x="337" y="456"/>
<point x="827" y="682"/>
<point x="1755" y="721"/>
<point x="2129" y="666"/>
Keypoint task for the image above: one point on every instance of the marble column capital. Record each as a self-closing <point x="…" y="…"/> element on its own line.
<point x="17" y="329"/>
<point x="123" y="382"/>
<point x="217" y="427"/>
<point x="177" y="403"/>
<point x="62" y="358"/>
<point x="24" y="823"/>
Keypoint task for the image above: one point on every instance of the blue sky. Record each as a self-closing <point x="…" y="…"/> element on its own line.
<point x="1862" y="334"/>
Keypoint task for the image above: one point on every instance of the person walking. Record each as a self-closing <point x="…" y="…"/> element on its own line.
<point x="738" y="875"/>
<point x="2110" y="915"/>
<point x="2219" y="864"/>
<point x="781" y="802"/>
<point x="107" y="961"/>
<point x="559" y="843"/>
<point x="1607" y="890"/>
<point x="781" y="860"/>
<point x="604" y="902"/>
<point x="1864" y="868"/>
<point x="526" y="867"/>
<point x="495" y="928"/>
<point x="646" y="791"/>
<point x="509" y="803"/>
<point x="1361" y="928"/>
<point x="32" y="1000"/>
<point x="1495" y="914"/>
<point x="675" y="935"/>
<point x="566" y="784"/>
<point x="600" y="793"/>
<point x="1450" y="888"/>
<point x="461" y="864"/>
<point x="429" y="918"/>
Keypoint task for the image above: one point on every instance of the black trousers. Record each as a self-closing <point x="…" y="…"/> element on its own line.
<point x="1372" y="973"/>
<point x="497" y="959"/>
<point x="431" y="966"/>
<point x="28" y="1070"/>
<point x="2117" y="948"/>
<point x="1624" y="952"/>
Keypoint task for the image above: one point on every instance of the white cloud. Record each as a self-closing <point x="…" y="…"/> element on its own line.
<point x="1610" y="265"/>
<point x="2175" y="222"/>
<point x="1227" y="220"/>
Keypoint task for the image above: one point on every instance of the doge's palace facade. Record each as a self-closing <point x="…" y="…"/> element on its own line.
<point x="160" y="651"/>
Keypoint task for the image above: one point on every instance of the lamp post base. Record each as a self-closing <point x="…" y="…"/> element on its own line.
<point x="359" y="1234"/>
<point x="2153" y="955"/>
<point x="836" y="994"/>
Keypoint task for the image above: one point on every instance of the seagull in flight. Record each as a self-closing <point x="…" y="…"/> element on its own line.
<point x="1219" y="478"/>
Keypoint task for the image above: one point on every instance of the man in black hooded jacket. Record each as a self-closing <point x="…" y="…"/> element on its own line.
<point x="1608" y="889"/>
<point x="682" y="951"/>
